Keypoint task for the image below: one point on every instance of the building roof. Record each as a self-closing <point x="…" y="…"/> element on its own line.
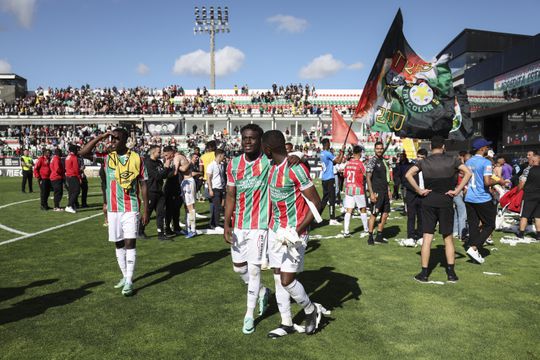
<point x="477" y="40"/>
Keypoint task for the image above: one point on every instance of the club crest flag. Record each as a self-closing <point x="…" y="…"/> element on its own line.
<point x="409" y="96"/>
<point x="340" y="130"/>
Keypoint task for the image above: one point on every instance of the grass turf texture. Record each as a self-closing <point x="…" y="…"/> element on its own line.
<point x="57" y="298"/>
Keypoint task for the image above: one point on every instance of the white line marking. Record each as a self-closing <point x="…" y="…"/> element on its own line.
<point x="25" y="201"/>
<point x="7" y="228"/>
<point x="18" y="202"/>
<point x="50" y="229"/>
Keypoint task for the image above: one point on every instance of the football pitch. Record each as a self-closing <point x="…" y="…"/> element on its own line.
<point x="57" y="299"/>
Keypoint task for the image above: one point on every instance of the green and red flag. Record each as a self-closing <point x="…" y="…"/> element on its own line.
<point x="407" y="95"/>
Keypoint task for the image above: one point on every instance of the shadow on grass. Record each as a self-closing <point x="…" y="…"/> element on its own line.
<point x="324" y="286"/>
<point x="13" y="292"/>
<point x="40" y="304"/>
<point x="438" y="257"/>
<point x="391" y="231"/>
<point x="312" y="245"/>
<point x="196" y="261"/>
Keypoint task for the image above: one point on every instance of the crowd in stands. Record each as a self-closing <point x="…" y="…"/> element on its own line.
<point x="280" y="100"/>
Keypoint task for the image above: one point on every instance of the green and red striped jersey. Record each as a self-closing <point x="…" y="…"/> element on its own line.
<point x="251" y="182"/>
<point x="119" y="199"/>
<point x="289" y="208"/>
<point x="354" y="177"/>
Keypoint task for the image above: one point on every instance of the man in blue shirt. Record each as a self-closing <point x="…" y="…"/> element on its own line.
<point x="328" y="160"/>
<point x="478" y="200"/>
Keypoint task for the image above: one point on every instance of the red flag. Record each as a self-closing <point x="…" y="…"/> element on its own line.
<point x="340" y="129"/>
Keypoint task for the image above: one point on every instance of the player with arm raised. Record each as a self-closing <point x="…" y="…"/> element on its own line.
<point x="125" y="177"/>
<point x="290" y="186"/>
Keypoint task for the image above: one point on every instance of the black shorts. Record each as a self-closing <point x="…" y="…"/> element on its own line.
<point x="443" y="215"/>
<point x="530" y="208"/>
<point x="382" y="205"/>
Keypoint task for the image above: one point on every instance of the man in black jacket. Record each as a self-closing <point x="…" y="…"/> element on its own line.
<point x="157" y="172"/>
<point x="414" y="200"/>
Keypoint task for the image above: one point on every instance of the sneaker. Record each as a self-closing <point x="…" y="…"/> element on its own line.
<point x="334" y="222"/>
<point x="199" y="216"/>
<point x="127" y="290"/>
<point x="282" y="330"/>
<point x="420" y="241"/>
<point x="346" y="235"/>
<point x="120" y="284"/>
<point x="263" y="301"/>
<point x="58" y="209"/>
<point x="370" y="240"/>
<point x="44" y="208"/>
<point x="191" y="234"/>
<point x="105" y="224"/>
<point x="142" y="235"/>
<point x="452" y="277"/>
<point x="379" y="239"/>
<point x="70" y="210"/>
<point x="489" y="241"/>
<point x="421" y="278"/>
<point x="219" y="228"/>
<point x="475" y="255"/>
<point x="179" y="232"/>
<point x="162" y="237"/>
<point x="313" y="320"/>
<point x="170" y="233"/>
<point x="249" y="326"/>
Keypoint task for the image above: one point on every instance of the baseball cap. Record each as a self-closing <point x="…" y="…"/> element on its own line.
<point x="480" y="143"/>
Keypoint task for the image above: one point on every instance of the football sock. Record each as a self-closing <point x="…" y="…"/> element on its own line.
<point x="450" y="268"/>
<point x="363" y="216"/>
<point x="346" y="223"/>
<point x="121" y="257"/>
<point x="131" y="255"/>
<point x="192" y="222"/>
<point x="283" y="302"/>
<point x="298" y="293"/>
<point x="243" y="272"/>
<point x="254" y="284"/>
<point x="424" y="271"/>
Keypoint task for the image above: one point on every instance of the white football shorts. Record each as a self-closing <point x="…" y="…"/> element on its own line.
<point x="280" y="258"/>
<point x="123" y="225"/>
<point x="248" y="246"/>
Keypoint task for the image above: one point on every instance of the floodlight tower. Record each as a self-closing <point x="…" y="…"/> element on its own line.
<point x="212" y="24"/>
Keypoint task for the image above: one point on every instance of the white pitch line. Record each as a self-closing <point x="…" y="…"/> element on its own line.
<point x="51" y="198"/>
<point x="50" y="229"/>
<point x="18" y="202"/>
<point x="7" y="228"/>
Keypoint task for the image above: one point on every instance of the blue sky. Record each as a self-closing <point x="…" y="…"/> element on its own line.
<point x="134" y="42"/>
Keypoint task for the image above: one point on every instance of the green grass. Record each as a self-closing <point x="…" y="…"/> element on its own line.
<point x="57" y="299"/>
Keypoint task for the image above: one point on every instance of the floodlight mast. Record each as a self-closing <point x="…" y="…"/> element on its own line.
<point x="212" y="24"/>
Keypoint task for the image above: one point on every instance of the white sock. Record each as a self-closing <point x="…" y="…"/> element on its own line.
<point x="363" y="216"/>
<point x="346" y="223"/>
<point x="283" y="302"/>
<point x="298" y="293"/>
<point x="192" y="221"/>
<point x="131" y="255"/>
<point x="254" y="286"/>
<point x="243" y="272"/>
<point x="121" y="258"/>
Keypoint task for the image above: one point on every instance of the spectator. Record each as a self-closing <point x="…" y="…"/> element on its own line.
<point x="57" y="178"/>
<point x="42" y="172"/>
<point x="216" y="186"/>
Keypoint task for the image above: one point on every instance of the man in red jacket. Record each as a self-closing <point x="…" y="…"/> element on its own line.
<point x="57" y="178"/>
<point x="42" y="172"/>
<point x="73" y="178"/>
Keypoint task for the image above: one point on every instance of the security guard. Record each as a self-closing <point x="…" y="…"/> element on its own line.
<point x="26" y="164"/>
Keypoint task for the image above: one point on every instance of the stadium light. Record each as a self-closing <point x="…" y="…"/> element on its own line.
<point x="214" y="23"/>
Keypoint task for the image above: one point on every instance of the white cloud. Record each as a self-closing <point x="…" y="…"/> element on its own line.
<point x="142" y="69"/>
<point x="288" y="23"/>
<point x="356" y="66"/>
<point x="22" y="9"/>
<point x="228" y="60"/>
<point x="5" y="67"/>
<point x="321" y="67"/>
